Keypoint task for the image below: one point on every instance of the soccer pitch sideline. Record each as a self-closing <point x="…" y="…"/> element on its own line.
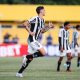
<point x="40" y="69"/>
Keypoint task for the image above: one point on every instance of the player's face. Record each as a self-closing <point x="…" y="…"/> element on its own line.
<point x="42" y="12"/>
<point x="68" y="26"/>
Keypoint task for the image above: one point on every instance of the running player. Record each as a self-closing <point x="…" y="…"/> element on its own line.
<point x="76" y="43"/>
<point x="35" y="26"/>
<point x="64" y="46"/>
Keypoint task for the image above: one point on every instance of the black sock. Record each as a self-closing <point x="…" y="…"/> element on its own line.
<point x="24" y="66"/>
<point x="69" y="64"/>
<point x="35" y="55"/>
<point x="58" y="67"/>
<point x="78" y="61"/>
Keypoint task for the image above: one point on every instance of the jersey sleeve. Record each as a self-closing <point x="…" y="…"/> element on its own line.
<point x="60" y="38"/>
<point x="76" y="35"/>
<point x="32" y="20"/>
<point x="60" y="33"/>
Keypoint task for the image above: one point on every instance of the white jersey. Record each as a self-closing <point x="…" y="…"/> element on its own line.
<point x="76" y="36"/>
<point x="36" y="25"/>
<point x="64" y="35"/>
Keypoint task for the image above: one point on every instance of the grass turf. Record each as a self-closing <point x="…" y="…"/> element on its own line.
<point x="39" y="69"/>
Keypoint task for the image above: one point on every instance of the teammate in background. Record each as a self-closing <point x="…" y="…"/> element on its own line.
<point x="76" y="43"/>
<point x="64" y="47"/>
<point x="35" y="26"/>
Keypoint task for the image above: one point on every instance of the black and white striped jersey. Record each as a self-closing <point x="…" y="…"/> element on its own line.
<point x="36" y="25"/>
<point x="75" y="38"/>
<point x="64" y="39"/>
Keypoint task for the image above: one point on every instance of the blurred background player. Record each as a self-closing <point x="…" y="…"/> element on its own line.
<point x="64" y="47"/>
<point x="35" y="26"/>
<point x="76" y="43"/>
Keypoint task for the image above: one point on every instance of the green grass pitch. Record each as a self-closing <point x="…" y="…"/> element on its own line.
<point x="40" y="69"/>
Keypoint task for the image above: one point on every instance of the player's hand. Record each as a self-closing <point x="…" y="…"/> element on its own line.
<point x="31" y="33"/>
<point x="51" y="25"/>
<point x="61" y="49"/>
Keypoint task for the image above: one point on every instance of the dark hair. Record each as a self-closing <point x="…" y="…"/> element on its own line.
<point x="66" y="23"/>
<point x="77" y="26"/>
<point x="39" y="8"/>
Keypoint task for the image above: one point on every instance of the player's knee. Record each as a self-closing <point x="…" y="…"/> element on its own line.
<point x="42" y="51"/>
<point x="69" y="55"/>
<point x="61" y="58"/>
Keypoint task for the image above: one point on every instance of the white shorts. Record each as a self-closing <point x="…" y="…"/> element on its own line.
<point x="62" y="54"/>
<point x="75" y="51"/>
<point x="78" y="49"/>
<point x="34" y="47"/>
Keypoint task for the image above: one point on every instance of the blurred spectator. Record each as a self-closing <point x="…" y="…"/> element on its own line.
<point x="49" y="40"/>
<point x="49" y="45"/>
<point x="7" y="38"/>
<point x="15" y="40"/>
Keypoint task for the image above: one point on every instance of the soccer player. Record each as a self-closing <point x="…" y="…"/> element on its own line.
<point x="35" y="26"/>
<point x="76" y="43"/>
<point x="64" y="47"/>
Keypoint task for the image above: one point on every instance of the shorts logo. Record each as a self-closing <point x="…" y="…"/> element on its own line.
<point x="37" y="44"/>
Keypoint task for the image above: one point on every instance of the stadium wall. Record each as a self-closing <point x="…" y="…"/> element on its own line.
<point x="53" y="13"/>
<point x="14" y="15"/>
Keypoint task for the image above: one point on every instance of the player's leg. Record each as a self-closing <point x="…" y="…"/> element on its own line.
<point x="25" y="64"/>
<point x="60" y="60"/>
<point x="30" y="57"/>
<point x="68" y="62"/>
<point x="78" y="60"/>
<point x="26" y="61"/>
<point x="59" y="63"/>
<point x="39" y="53"/>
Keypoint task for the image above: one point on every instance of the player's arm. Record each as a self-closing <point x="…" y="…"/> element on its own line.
<point x="47" y="27"/>
<point x="26" y="24"/>
<point x="60" y="44"/>
<point x="60" y="41"/>
<point x="76" y="39"/>
<point x="76" y="42"/>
